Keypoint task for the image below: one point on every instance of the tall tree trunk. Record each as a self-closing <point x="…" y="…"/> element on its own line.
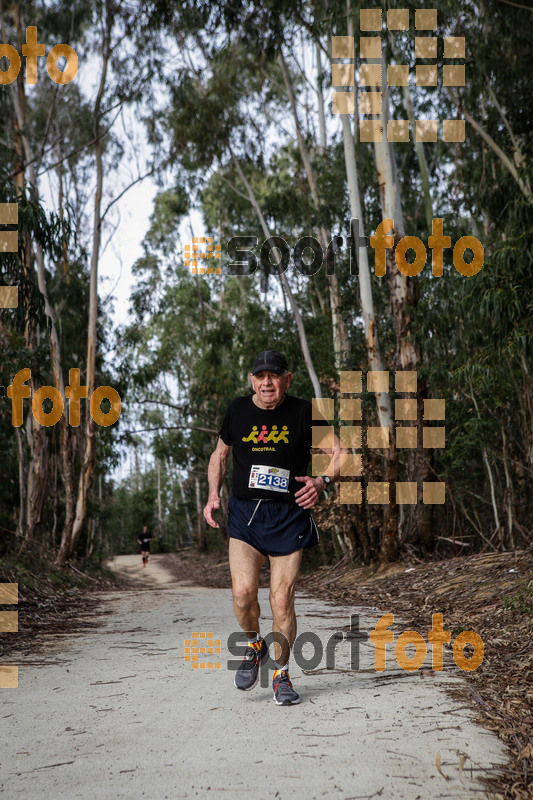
<point x="389" y="542"/>
<point x="159" y="512"/>
<point x="187" y="515"/>
<point x="37" y="493"/>
<point x="36" y="435"/>
<point x="201" y="540"/>
<point x="37" y="475"/>
<point x="528" y="397"/>
<point x="320" y="92"/>
<point x="509" y="501"/>
<point x="67" y="548"/>
<point x="416" y="519"/>
<point x="21" y="521"/>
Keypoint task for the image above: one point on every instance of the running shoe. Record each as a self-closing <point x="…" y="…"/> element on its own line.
<point x="284" y="694"/>
<point x="247" y="675"/>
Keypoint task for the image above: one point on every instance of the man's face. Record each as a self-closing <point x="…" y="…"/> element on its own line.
<point x="270" y="388"/>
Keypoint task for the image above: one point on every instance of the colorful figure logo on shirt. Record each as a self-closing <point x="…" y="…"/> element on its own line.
<point x="274" y="436"/>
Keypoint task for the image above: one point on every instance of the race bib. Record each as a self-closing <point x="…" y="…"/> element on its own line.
<point x="273" y="479"/>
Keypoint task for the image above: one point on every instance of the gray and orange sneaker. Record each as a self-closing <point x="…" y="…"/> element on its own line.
<point x="247" y="675"/>
<point x="284" y="694"/>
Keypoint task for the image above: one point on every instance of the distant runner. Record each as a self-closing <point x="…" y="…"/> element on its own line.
<point x="269" y="510"/>
<point x="144" y="541"/>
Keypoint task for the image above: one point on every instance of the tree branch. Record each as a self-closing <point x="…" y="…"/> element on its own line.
<point x="506" y="161"/>
<point x="173" y="428"/>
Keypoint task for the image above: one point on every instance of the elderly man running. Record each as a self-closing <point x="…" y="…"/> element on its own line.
<point x="269" y="510"/>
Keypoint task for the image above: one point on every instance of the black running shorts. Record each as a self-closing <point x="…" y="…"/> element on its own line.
<point x="274" y="529"/>
<point x="145" y="547"/>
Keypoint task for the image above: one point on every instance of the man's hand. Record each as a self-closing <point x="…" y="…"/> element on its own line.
<point x="211" y="506"/>
<point x="307" y="496"/>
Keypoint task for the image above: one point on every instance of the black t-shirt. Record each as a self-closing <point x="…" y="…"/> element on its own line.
<point x="145" y="536"/>
<point x="278" y="439"/>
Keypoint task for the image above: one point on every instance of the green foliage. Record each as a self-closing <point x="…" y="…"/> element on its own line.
<point x="522" y="601"/>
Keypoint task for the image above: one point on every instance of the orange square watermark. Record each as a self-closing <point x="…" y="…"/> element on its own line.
<point x="434" y="409"/>
<point x="405" y="381"/>
<point x="322" y="464"/>
<point x="351" y="382"/>
<point x="453" y="75"/>
<point x="9" y="593"/>
<point x="426" y="75"/>
<point x="370" y="130"/>
<point x="426" y="130"/>
<point x="370" y="19"/>
<point x="351" y="464"/>
<point x="322" y="408"/>
<point x="433" y="493"/>
<point x="377" y="437"/>
<point x="350" y="493"/>
<point x="398" y="75"/>
<point x="398" y="130"/>
<point x="406" y="493"/>
<point x="406" y="409"/>
<point x="343" y="103"/>
<point x="9" y="677"/>
<point x="350" y="436"/>
<point x="398" y="19"/>
<point x="426" y="47"/>
<point x="342" y="47"/>
<point x="377" y="493"/>
<point x="434" y="437"/>
<point x="370" y="75"/>
<point x="377" y="381"/>
<point x="370" y="102"/>
<point x="426" y="19"/>
<point x="453" y="130"/>
<point x="342" y="75"/>
<point x="322" y="436"/>
<point x="406" y="438"/>
<point x="454" y="47"/>
<point x="350" y="409"/>
<point x="370" y="46"/>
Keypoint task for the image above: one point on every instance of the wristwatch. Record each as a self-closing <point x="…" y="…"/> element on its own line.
<point x="327" y="482"/>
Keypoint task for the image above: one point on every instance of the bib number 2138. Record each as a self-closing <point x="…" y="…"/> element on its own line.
<point x="273" y="479"/>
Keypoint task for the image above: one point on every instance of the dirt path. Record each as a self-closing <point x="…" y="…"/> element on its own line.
<point x="118" y="713"/>
<point x="131" y="567"/>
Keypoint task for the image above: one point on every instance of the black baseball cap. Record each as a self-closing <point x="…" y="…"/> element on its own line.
<point x="270" y="360"/>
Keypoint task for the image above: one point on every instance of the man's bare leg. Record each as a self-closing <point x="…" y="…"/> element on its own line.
<point x="283" y="573"/>
<point x="245" y="563"/>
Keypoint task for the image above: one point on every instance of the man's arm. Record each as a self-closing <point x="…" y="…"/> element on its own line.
<point x="307" y="496"/>
<point x="215" y="475"/>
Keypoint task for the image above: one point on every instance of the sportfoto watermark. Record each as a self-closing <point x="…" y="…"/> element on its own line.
<point x="380" y="636"/>
<point x="245" y="262"/>
<point x="32" y="50"/>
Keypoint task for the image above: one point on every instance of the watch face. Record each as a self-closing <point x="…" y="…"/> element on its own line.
<point x="326" y="480"/>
